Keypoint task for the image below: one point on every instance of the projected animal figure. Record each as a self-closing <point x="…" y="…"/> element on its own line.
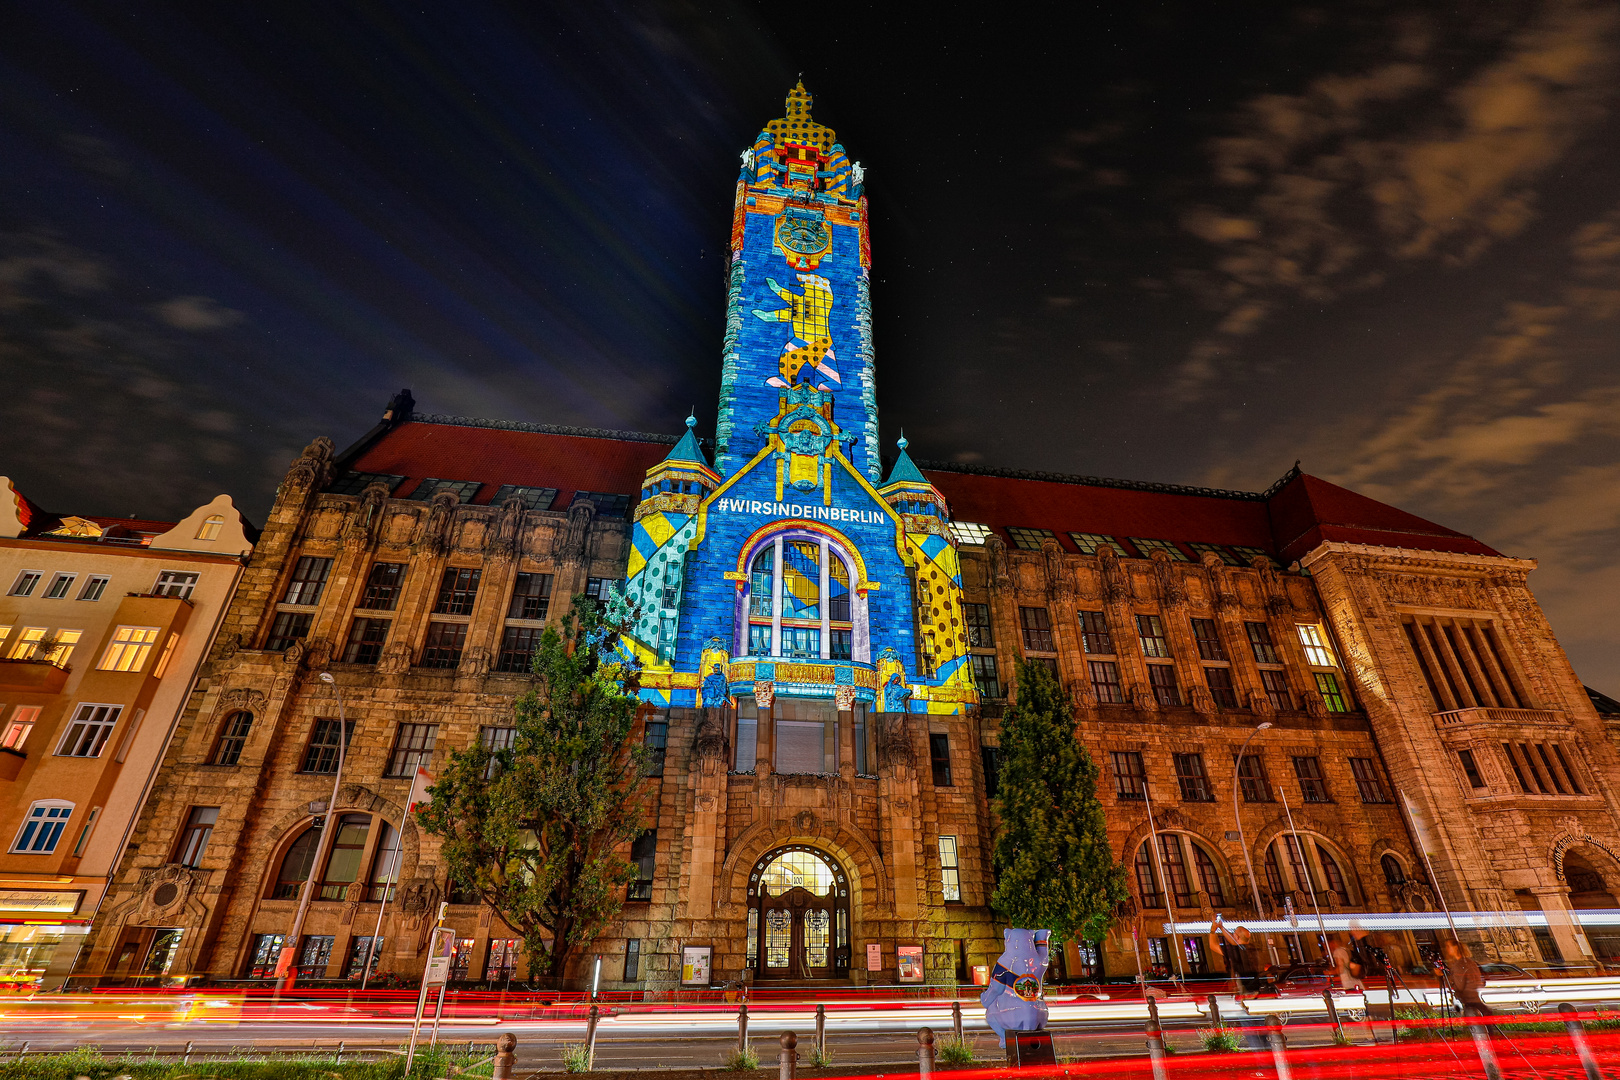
<point x="1013" y="1002"/>
<point x="807" y="356"/>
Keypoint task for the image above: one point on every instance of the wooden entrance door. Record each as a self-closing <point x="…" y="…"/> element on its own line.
<point x="797" y="935"/>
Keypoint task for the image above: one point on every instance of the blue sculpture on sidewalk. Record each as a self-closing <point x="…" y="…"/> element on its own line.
<point x="1014" y="1002"/>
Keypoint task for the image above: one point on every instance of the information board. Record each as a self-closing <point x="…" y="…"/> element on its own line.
<point x="874" y="957"/>
<point x="441" y="946"/>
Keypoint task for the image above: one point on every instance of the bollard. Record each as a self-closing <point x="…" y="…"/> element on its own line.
<point x="1155" y="1043"/>
<point x="1577" y="1035"/>
<point x="790" y="1055"/>
<point x="925" y="1053"/>
<point x="340" y="1053"/>
<point x="742" y="1027"/>
<point x="23" y="1051"/>
<point x="1279" y="1053"/>
<point x="1487" y="1056"/>
<point x="185" y="1059"/>
<point x="590" y="1038"/>
<point x="1214" y="1011"/>
<point x="821" y="1033"/>
<point x="956" y="1020"/>
<point x="1333" y="1012"/>
<point x="505" y="1057"/>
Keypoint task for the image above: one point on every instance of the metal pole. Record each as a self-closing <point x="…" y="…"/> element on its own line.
<point x="956" y="1020"/>
<point x="1164" y="882"/>
<point x="328" y="835"/>
<point x="1304" y="861"/>
<point x="742" y="1026"/>
<point x="1155" y="1042"/>
<point x="1254" y="882"/>
<point x="590" y="1037"/>
<point x="789" y="1057"/>
<point x="1279" y="1054"/>
<point x="389" y="885"/>
<point x="438" y="1011"/>
<point x="925" y="1054"/>
<point x="821" y="1032"/>
<point x="1332" y="1011"/>
<point x="421" y="1000"/>
<point x="1577" y="1035"/>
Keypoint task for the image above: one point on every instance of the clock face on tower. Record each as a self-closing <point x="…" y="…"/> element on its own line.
<point x="800" y="232"/>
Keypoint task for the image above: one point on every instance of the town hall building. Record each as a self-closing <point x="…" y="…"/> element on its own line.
<point x="826" y="639"/>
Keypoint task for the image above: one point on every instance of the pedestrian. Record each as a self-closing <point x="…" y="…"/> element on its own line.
<point x="1238" y="955"/>
<point x="1344" y="966"/>
<point x="1465" y="976"/>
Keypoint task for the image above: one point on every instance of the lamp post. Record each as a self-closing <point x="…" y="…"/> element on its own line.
<point x="1254" y="883"/>
<point x="328" y="833"/>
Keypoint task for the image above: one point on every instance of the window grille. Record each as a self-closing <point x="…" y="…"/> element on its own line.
<point x="1036" y="624"/>
<point x="383" y="586"/>
<point x="413" y="748"/>
<point x="1095" y="637"/>
<point x="1192" y="779"/>
<point x="1130" y="778"/>
<point x="308" y="581"/>
<point x="1150" y="629"/>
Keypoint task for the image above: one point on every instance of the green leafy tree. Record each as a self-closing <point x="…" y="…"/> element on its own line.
<point x="536" y="829"/>
<point x="1054" y="868"/>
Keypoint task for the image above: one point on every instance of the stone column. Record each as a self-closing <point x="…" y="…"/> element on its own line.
<point x="1571" y="939"/>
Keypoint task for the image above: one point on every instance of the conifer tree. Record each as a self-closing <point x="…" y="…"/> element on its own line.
<point x="535" y="829"/>
<point x="1054" y="868"/>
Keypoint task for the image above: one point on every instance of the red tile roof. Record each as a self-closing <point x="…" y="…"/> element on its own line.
<point x="1309" y="510"/>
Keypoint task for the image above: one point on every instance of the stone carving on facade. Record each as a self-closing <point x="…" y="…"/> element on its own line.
<point x="1058" y="584"/>
<point x="162" y="891"/>
<point x="313" y="469"/>
<point x="1202" y="701"/>
<point x="1116" y="589"/>
<point x="1271" y="587"/>
<point x="226" y="647"/>
<point x="240" y="698"/>
<point x="995" y="551"/>
<point x="1082" y="695"/>
<point x="805" y="822"/>
<point x="475" y="661"/>
<point x="1143" y="698"/>
<point x="570" y="542"/>
<point x="710" y="751"/>
<point x="1220" y="584"/>
<point x="844" y="698"/>
<point x="365" y="520"/>
<point x="293" y="656"/>
<point x="1315" y="705"/>
<point x="433" y="538"/>
<point x="764" y="693"/>
<point x="1171" y="592"/>
<point x="894" y="745"/>
<point x="1260" y="703"/>
<point x="395" y="659"/>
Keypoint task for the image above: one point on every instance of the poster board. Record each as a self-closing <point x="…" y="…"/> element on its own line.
<point x="874" y="956"/>
<point x="440" y="947"/>
<point x="909" y="959"/>
<point x="695" y="965"/>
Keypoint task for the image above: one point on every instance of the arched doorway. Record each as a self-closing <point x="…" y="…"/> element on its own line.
<point x="798" y="915"/>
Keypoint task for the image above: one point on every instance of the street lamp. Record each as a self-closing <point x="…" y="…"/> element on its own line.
<point x="1254" y="883"/>
<point x="328" y="833"/>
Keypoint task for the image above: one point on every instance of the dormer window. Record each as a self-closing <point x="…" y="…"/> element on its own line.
<point x="211" y="526"/>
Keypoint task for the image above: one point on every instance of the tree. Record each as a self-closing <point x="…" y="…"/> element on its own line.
<point x="535" y="829"/>
<point x="1054" y="868"/>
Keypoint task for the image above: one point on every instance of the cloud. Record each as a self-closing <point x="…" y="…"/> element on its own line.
<point x="197" y="313"/>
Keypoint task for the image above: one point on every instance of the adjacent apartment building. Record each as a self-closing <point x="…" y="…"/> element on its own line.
<point x="103" y="622"/>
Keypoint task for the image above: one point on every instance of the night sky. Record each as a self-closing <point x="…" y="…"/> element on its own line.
<point x="1177" y="242"/>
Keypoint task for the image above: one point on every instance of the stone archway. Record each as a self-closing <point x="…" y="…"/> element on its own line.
<point x="799" y="924"/>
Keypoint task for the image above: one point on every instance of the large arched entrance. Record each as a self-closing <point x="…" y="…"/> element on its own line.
<point x="798" y="915"/>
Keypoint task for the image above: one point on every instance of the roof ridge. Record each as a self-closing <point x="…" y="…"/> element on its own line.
<point x="546" y="429"/>
<point x="1102" y="481"/>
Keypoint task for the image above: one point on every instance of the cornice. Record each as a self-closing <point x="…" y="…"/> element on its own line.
<point x="1416" y="558"/>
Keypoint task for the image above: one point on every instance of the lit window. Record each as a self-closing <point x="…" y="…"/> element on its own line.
<point x="985" y="675"/>
<point x="27" y="642"/>
<point x="1317" y="653"/>
<point x="43" y="827"/>
<point x="168" y="654"/>
<point x="980" y="633"/>
<point x="308" y="580"/>
<point x="1095" y="636"/>
<point x="1036" y="624"/>
<point x="463" y="490"/>
<point x="26" y="582"/>
<point x="129" y="647"/>
<point x="23" y="718"/>
<point x="94" y="587"/>
<point x="175" y="583"/>
<point x="194" y="840"/>
<point x="60" y="584"/>
<point x="970" y="532"/>
<point x="1222" y="553"/>
<point x="1265" y="652"/>
<point x="950" y="873"/>
<point x="353" y="483"/>
<point x="209" y="530"/>
<point x="65" y="640"/>
<point x="1150" y="629"/>
<point x="1029" y="539"/>
<point x="789" y="615"/>
<point x="532" y="498"/>
<point x="88" y="732"/>
<point x="1148" y="546"/>
<point x="1328" y="686"/>
<point x="1088" y="543"/>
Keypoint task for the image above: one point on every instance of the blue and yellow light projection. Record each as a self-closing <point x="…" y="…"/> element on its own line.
<point x="790" y="568"/>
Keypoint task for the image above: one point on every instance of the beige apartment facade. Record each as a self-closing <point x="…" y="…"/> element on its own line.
<point x="103" y="622"/>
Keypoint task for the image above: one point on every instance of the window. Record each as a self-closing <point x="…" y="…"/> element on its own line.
<point x="607" y="506"/>
<point x="517" y="648"/>
<point x="163" y="660"/>
<point x="463" y="490"/>
<point x="1146" y="547"/>
<point x="1312" y="786"/>
<point x="1208" y="639"/>
<point x="1105" y="682"/>
<point x="308" y="580"/>
<point x="348" y="849"/>
<point x="27" y="642"/>
<point x="495" y="739"/>
<point x="296" y="864"/>
<point x="806" y="736"/>
<point x="26" y="582"/>
<point x="1317" y="653"/>
<point x="656" y="739"/>
<point x="503" y="959"/>
<point x="1029" y="539"/>
<point x="1095" y="636"/>
<point x="1265" y="651"/>
<point x="1367" y="782"/>
<point x="1249" y="554"/>
<point x="1333" y="874"/>
<point x="1574" y="780"/>
<point x="632" y="960"/>
<point x="1175" y="871"/>
<point x="1197" y="959"/>
<point x="1296" y="862"/>
<point x="1221" y="553"/>
<point x="457" y="591"/>
<point x="968" y="532"/>
<point x="94" y="586"/>
<point x="366" y="640"/>
<point x="597" y="587"/>
<point x="413" y="749"/>
<point x="1252" y="781"/>
<point x="1192" y="778"/>
<point x="747" y="748"/>
<point x="88" y="731"/>
<point x="986" y="675"/>
<point x="1208" y="876"/>
<point x="1130" y="779"/>
<point x="175" y="583"/>
<point x="643" y="853"/>
<point x="532" y="498"/>
<point x="321" y="756"/>
<point x="1518" y="773"/>
<point x="265" y="956"/>
<point x="1037" y="627"/>
<point x="233" y="737"/>
<point x="1275" y="684"/>
<point x="1219" y="681"/>
<point x="1049" y="663"/>
<point x="979" y="632"/>
<point x="194" y="839"/>
<point x="1147" y="882"/>
<point x="1150" y="629"/>
<point x="1162" y="678"/>
<point x="444" y="643"/>
<point x="355" y="483"/>
<point x="364" y="952"/>
<point x="209" y="529"/>
<point x="23" y="718"/>
<point x="939" y="756"/>
<point x="1327" y="684"/>
<point x="1088" y="543"/>
<point x="383" y="586"/>
<point x="1394" y="872"/>
<point x="991" y="756"/>
<point x="42" y="828"/>
<point x="950" y="875"/>
<point x="531" y="597"/>
<point x="288" y="627"/>
<point x="1470" y="768"/>
<point x="316" y="956"/>
<point x="60" y="584"/>
<point x="61" y="648"/>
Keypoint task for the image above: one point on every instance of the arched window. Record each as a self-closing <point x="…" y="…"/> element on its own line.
<point x="233" y="734"/>
<point x="348" y="849"/>
<point x="295" y="865"/>
<point x="1334" y="876"/>
<point x="1394" y="872"/>
<point x="42" y="828"/>
<point x="385" y="865"/>
<point x="343" y="862"/>
<point x="1147" y="882"/>
<point x="1274" y="878"/>
<point x="800" y="600"/>
<point x="1208" y="876"/>
<point x="209" y="530"/>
